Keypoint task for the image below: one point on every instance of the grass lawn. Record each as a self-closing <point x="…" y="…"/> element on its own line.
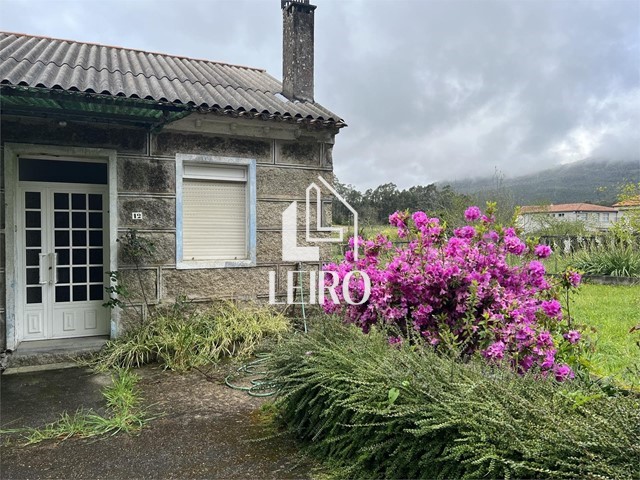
<point x="612" y="311"/>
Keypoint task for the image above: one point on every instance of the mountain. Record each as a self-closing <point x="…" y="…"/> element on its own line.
<point x="591" y="181"/>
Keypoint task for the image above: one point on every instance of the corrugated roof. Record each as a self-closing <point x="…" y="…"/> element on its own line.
<point x="565" y="207"/>
<point x="34" y="61"/>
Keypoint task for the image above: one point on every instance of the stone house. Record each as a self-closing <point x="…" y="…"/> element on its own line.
<point x="199" y="157"/>
<point x="596" y="218"/>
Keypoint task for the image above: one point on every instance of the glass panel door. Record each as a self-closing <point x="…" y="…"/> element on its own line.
<point x="78" y="243"/>
<point x="65" y="248"/>
<point x="32" y="236"/>
<point x="33" y="246"/>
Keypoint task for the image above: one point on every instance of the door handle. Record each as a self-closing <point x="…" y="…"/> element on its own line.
<point x="53" y="268"/>
<point x="42" y="268"/>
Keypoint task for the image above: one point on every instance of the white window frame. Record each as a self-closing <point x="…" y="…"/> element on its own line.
<point x="213" y="161"/>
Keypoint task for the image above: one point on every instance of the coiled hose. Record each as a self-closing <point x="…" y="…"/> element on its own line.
<point x="259" y="386"/>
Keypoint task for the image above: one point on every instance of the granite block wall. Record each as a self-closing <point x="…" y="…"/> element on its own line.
<point x="147" y="183"/>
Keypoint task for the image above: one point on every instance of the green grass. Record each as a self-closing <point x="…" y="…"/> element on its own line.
<point x="612" y="311"/>
<point x="124" y="414"/>
<point x="369" y="232"/>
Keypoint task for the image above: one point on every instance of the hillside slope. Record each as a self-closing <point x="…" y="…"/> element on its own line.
<point x="587" y="181"/>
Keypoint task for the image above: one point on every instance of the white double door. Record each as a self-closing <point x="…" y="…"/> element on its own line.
<point x="63" y="249"/>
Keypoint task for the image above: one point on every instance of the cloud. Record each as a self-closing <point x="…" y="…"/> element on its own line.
<point x="469" y="86"/>
<point x="431" y="90"/>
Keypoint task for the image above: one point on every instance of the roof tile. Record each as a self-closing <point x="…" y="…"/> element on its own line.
<point x="565" y="207"/>
<point x="629" y="202"/>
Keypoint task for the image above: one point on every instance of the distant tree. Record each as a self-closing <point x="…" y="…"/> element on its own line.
<point x="375" y="205"/>
<point x="502" y="195"/>
<point x="550" y="226"/>
<point x="341" y="214"/>
<point x="384" y="199"/>
<point x="449" y="206"/>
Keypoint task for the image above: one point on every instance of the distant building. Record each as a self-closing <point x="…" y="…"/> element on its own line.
<point x="596" y="217"/>
<point x="627" y="206"/>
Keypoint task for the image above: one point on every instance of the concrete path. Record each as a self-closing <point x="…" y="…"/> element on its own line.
<point x="208" y="430"/>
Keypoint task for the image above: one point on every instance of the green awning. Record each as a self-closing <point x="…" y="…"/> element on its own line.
<point x="73" y="105"/>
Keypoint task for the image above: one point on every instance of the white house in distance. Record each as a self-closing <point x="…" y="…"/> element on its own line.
<point x="596" y="217"/>
<point x="626" y="206"/>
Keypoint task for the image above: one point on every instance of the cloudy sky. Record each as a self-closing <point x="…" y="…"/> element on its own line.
<point x="431" y="89"/>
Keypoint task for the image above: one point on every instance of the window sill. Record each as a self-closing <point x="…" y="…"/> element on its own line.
<point x="195" y="264"/>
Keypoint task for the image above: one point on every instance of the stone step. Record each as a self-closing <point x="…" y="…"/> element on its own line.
<point x="52" y="352"/>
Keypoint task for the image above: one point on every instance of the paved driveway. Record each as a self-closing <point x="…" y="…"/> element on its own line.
<point x="208" y="430"/>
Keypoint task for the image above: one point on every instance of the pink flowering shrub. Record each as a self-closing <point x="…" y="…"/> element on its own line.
<point x="464" y="290"/>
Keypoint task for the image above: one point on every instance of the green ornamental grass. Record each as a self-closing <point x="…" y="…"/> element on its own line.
<point x="181" y="339"/>
<point x="618" y="259"/>
<point x="381" y="411"/>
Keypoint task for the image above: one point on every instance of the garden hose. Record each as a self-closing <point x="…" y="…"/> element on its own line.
<point x="260" y="386"/>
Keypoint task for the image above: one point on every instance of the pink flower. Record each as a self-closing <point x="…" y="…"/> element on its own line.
<point x="465" y="232"/>
<point x="542" y="251"/>
<point x="563" y="372"/>
<point x="526" y="363"/>
<point x="398" y="219"/>
<point x="472" y="213"/>
<point x="495" y="350"/>
<point x="514" y="245"/>
<point x="492" y="236"/>
<point x="572" y="336"/>
<point x="524" y="334"/>
<point x="420" y="219"/>
<point x="536" y="269"/>
<point x="395" y="340"/>
<point x="574" y="278"/>
<point x="549" y="360"/>
<point x="551" y="308"/>
<point x="545" y="339"/>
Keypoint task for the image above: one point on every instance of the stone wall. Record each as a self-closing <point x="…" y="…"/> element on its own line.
<point x="147" y="183"/>
<point x="3" y="280"/>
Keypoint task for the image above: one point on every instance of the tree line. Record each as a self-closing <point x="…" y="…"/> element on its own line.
<point x="375" y="205"/>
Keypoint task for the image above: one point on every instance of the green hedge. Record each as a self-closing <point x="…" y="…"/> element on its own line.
<point x="385" y="412"/>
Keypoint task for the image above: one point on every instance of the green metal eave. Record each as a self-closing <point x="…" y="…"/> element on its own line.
<point x="84" y="106"/>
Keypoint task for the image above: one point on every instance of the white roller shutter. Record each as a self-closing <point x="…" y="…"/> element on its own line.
<point x="214" y="217"/>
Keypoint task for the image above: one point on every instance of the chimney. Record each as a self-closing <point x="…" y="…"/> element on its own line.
<point x="297" y="49"/>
